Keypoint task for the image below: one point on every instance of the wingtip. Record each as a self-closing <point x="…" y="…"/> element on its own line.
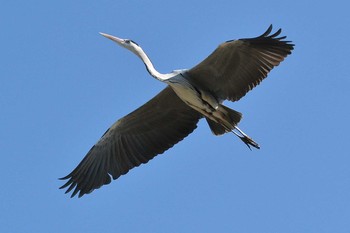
<point x="268" y="31"/>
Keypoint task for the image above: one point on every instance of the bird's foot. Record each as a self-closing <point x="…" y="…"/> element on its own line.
<point x="246" y="139"/>
<point x="249" y="142"/>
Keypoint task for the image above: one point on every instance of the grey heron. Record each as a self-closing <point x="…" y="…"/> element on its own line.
<point x="233" y="69"/>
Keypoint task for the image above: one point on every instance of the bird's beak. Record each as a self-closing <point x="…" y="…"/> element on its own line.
<point x="113" y="38"/>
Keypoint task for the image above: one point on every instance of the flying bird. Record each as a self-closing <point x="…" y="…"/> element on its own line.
<point x="233" y="69"/>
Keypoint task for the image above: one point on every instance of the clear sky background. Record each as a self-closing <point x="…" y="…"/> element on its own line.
<point x="62" y="85"/>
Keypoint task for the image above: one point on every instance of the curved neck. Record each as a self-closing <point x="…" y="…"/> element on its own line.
<point x="150" y="68"/>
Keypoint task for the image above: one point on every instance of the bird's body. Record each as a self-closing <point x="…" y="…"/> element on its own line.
<point x="218" y="116"/>
<point x="233" y="69"/>
<point x="199" y="100"/>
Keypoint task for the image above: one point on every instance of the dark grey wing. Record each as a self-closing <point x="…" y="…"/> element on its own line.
<point x="237" y="66"/>
<point x="134" y="139"/>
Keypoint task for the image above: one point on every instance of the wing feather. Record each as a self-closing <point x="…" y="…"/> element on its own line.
<point x="134" y="139"/>
<point x="237" y="66"/>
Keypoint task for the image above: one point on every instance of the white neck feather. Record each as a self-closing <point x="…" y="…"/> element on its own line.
<point x="150" y="68"/>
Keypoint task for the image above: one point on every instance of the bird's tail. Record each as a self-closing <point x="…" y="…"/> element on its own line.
<point x="227" y="118"/>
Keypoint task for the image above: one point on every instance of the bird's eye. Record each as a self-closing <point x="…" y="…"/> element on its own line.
<point x="127" y="41"/>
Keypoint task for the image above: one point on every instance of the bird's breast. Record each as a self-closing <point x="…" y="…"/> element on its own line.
<point x="194" y="97"/>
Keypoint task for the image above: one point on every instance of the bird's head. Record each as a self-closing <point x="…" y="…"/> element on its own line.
<point x="126" y="43"/>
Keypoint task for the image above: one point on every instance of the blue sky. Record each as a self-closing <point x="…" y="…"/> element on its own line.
<point x="63" y="85"/>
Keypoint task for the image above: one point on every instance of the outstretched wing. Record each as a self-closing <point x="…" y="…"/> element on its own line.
<point x="134" y="139"/>
<point x="237" y="66"/>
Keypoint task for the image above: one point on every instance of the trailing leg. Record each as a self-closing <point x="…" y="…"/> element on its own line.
<point x="245" y="138"/>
